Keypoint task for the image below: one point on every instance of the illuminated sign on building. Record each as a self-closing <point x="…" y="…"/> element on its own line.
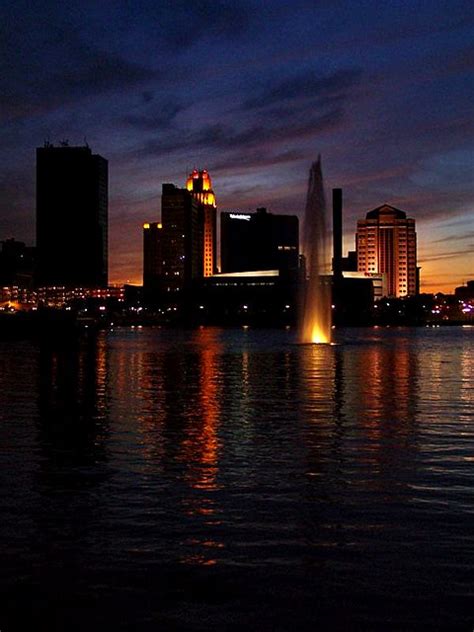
<point x="236" y="216"/>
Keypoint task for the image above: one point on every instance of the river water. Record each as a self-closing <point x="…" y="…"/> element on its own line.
<point x="217" y="479"/>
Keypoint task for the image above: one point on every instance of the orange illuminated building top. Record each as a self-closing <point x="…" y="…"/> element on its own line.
<point x="199" y="183"/>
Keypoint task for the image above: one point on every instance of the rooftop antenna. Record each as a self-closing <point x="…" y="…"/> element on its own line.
<point x="64" y="143"/>
<point x="86" y="143"/>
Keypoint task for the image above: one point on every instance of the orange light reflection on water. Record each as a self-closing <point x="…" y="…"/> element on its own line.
<point x="201" y="446"/>
<point x="200" y="450"/>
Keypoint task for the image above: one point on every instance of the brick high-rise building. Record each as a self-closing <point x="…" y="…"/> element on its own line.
<point x="386" y="244"/>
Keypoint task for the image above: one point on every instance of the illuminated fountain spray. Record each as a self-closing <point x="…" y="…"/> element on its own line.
<point x="315" y="317"/>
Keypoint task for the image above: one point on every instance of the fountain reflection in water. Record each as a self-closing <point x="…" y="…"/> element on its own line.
<point x="315" y="302"/>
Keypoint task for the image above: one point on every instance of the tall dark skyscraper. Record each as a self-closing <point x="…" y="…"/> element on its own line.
<point x="259" y="241"/>
<point x="181" y="238"/>
<point x="71" y="216"/>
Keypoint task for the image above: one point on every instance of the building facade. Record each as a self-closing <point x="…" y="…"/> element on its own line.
<point x="259" y="241"/>
<point x="181" y="239"/>
<point x="182" y="247"/>
<point x="199" y="184"/>
<point x="386" y="244"/>
<point x="152" y="254"/>
<point x="71" y="217"/>
<point x="17" y="263"/>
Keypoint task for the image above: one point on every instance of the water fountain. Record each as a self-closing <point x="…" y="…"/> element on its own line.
<point x="315" y="316"/>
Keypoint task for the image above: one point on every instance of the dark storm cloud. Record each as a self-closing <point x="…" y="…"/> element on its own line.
<point x="462" y="61"/>
<point x="286" y="112"/>
<point x="448" y="255"/>
<point x="250" y="159"/>
<point x="46" y="63"/>
<point x="457" y="237"/>
<point x="161" y="117"/>
<point x="456" y="222"/>
<point x="421" y="203"/>
<point x="85" y="72"/>
<point x="182" y="24"/>
<point x="401" y="23"/>
<point x="224" y="137"/>
<point x="99" y="72"/>
<point x="307" y="86"/>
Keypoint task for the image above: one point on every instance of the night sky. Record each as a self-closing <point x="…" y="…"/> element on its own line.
<point x="251" y="91"/>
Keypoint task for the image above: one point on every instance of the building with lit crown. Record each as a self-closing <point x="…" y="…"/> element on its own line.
<point x="182" y="247"/>
<point x="386" y="244"/>
<point x="200" y="185"/>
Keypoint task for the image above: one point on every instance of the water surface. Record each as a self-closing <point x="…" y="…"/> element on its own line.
<point x="228" y="479"/>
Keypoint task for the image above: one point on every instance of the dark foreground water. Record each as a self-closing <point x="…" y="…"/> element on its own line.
<point x="227" y="480"/>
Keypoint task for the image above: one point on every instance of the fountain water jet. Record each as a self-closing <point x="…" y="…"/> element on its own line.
<point x="315" y="301"/>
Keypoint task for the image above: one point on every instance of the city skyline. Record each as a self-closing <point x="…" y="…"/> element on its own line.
<point x="383" y="92"/>
<point x="157" y="223"/>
